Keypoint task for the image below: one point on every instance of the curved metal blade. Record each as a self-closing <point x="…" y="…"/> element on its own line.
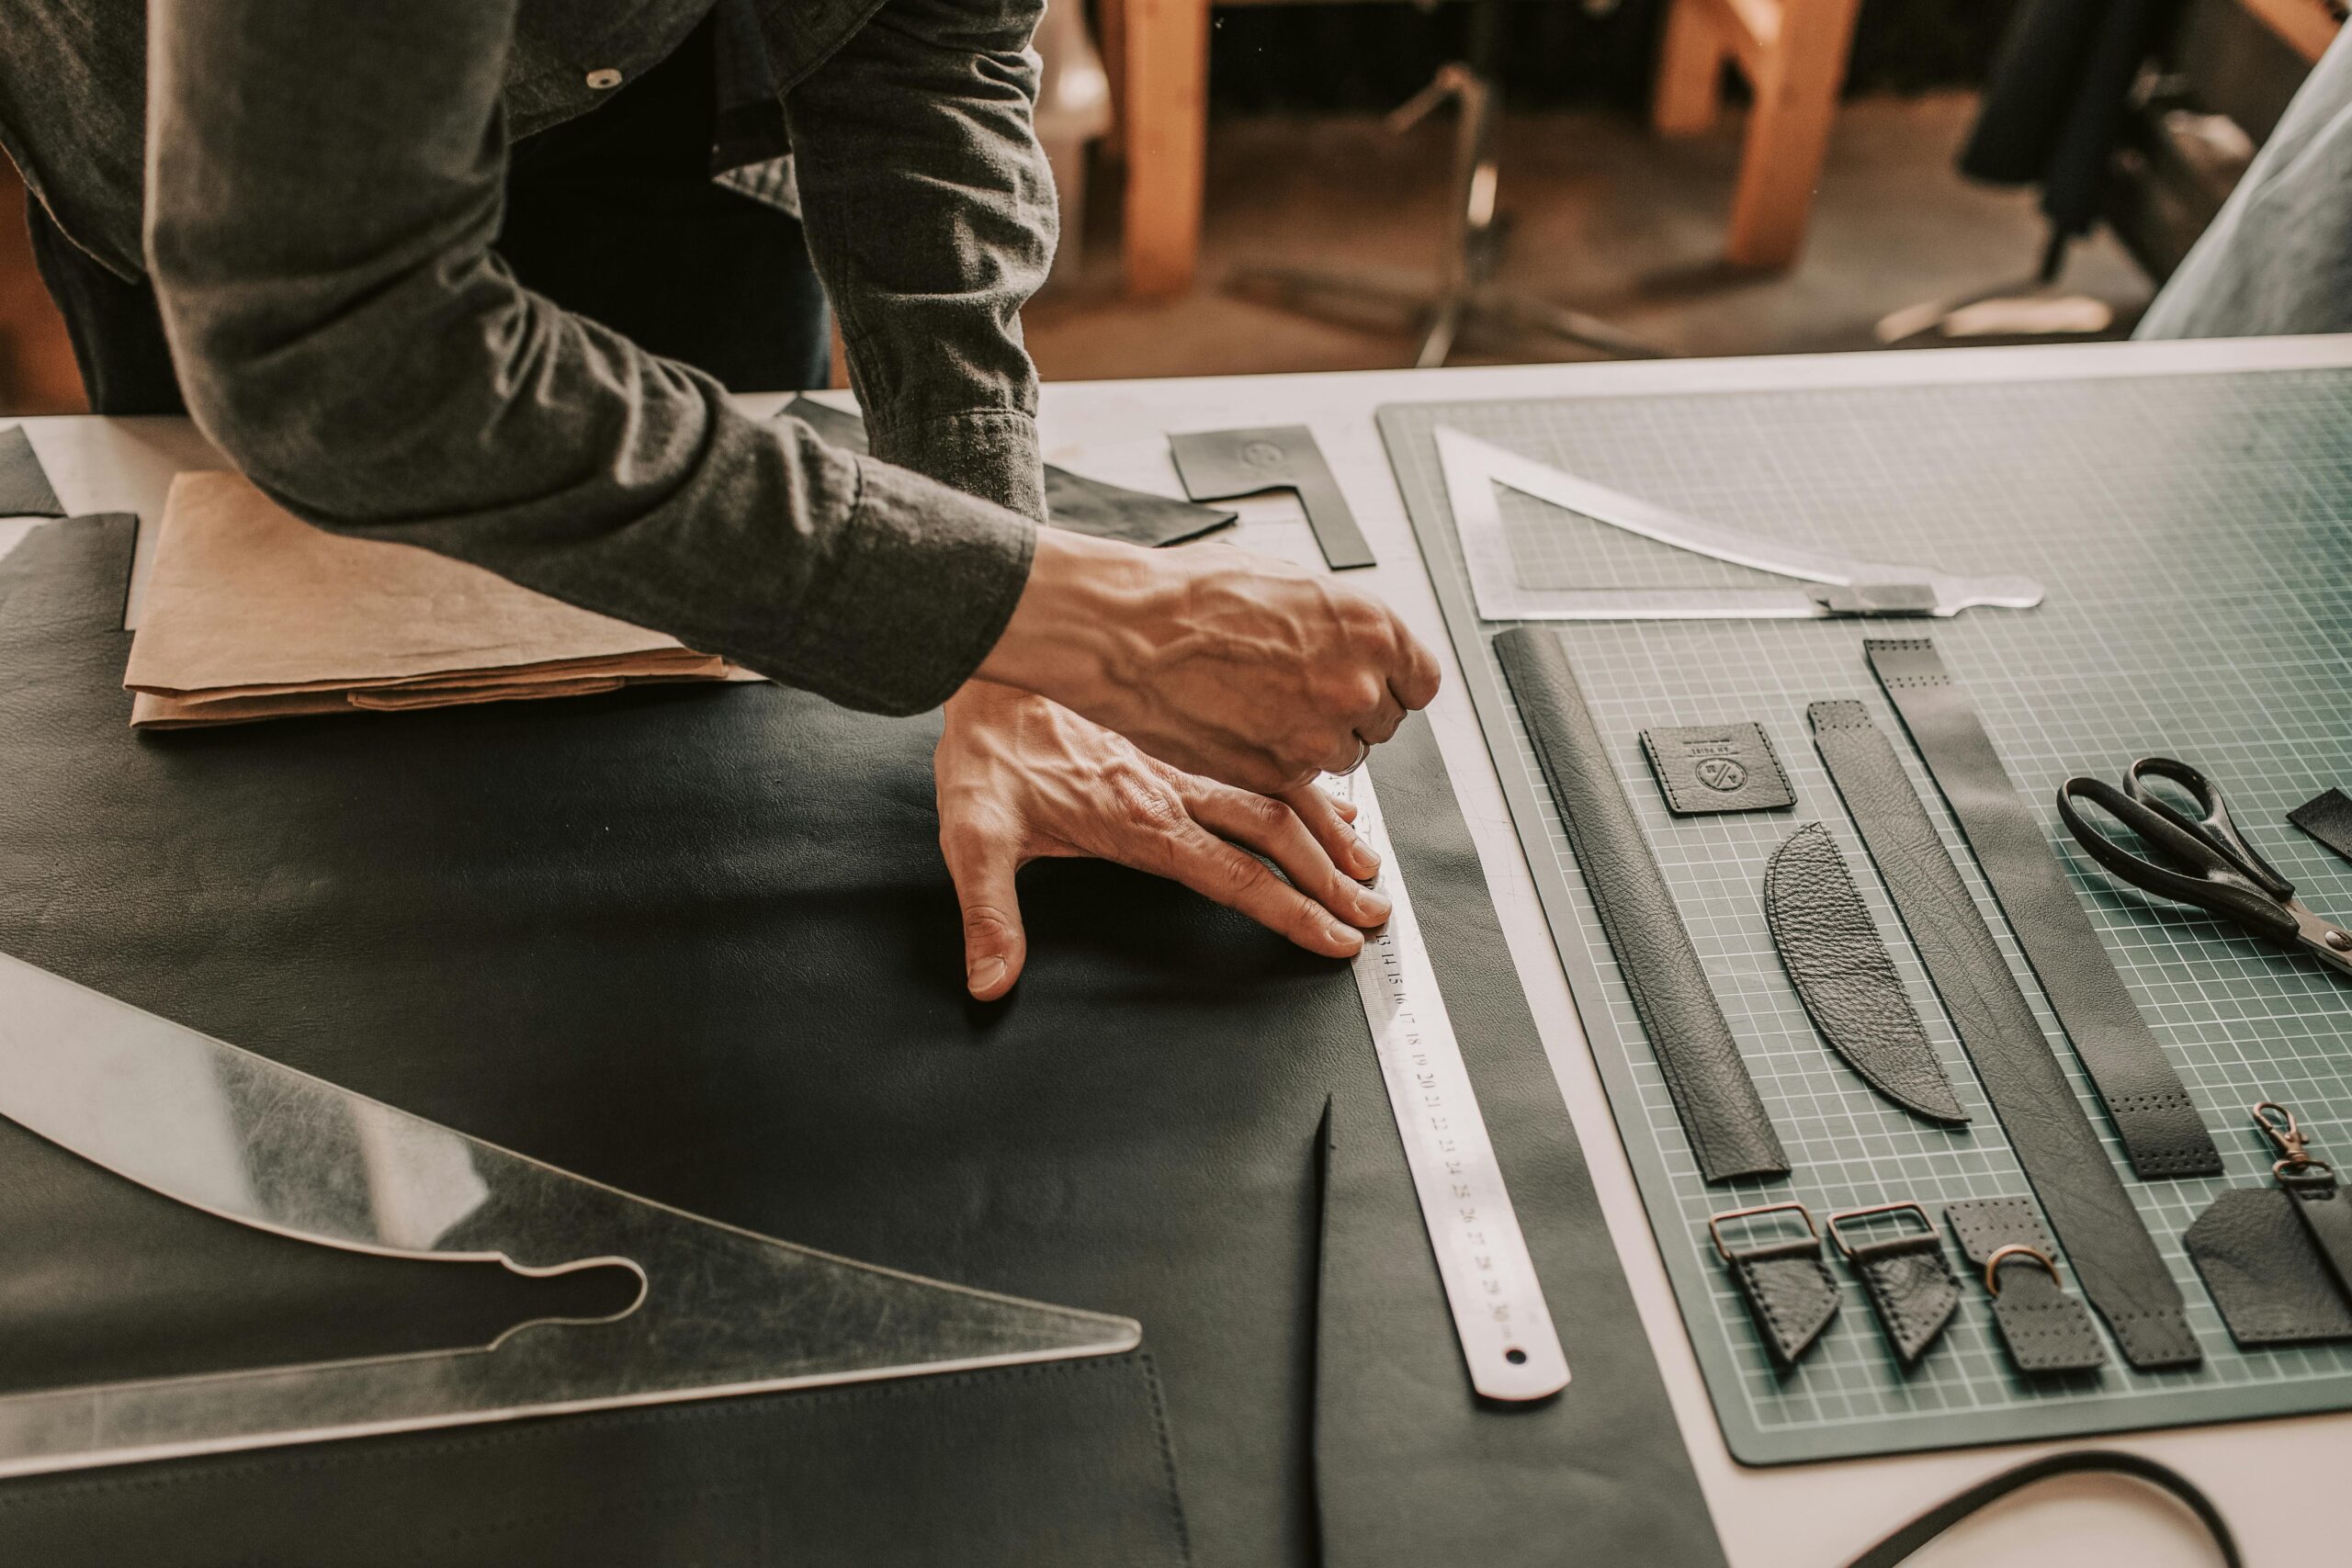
<point x="721" y="1311"/>
<point x="1473" y="467"/>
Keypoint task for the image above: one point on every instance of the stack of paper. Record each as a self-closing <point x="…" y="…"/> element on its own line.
<point x="252" y="613"/>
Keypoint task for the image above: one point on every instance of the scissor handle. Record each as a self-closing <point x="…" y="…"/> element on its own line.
<point x="2213" y="879"/>
<point x="2213" y="816"/>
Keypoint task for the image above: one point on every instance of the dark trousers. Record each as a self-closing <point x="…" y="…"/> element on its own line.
<point x="612" y="215"/>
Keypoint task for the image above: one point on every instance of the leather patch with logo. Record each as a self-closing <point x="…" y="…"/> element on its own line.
<point x="1707" y="768"/>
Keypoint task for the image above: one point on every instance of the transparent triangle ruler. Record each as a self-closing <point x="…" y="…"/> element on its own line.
<point x="1822" y="584"/>
<point x="718" y="1310"/>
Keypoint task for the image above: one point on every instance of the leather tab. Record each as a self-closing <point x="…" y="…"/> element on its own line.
<point x="1846" y="979"/>
<point x="1709" y="768"/>
<point x="2044" y="1329"/>
<point x="2326" y="1213"/>
<point x="1910" y="1286"/>
<point x="2327" y="817"/>
<point x="2162" y="1129"/>
<point x="2272" y="1283"/>
<point x="1790" y="1291"/>
<point x="1730" y="1134"/>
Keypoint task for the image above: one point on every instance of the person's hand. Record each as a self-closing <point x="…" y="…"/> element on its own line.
<point x="1249" y="670"/>
<point x="1020" y="778"/>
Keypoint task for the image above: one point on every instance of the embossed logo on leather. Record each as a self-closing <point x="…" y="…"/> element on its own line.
<point x="1263" y="455"/>
<point x="1716" y="767"/>
<point x="1722" y="773"/>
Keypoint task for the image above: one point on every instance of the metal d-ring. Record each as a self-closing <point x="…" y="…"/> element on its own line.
<point x="2018" y="1249"/>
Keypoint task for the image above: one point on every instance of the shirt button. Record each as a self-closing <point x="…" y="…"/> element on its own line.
<point x="604" y="79"/>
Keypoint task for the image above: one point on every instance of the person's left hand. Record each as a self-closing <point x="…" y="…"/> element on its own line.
<point x="1020" y="778"/>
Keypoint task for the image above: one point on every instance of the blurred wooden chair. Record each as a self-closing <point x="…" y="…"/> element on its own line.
<point x="1793" y="54"/>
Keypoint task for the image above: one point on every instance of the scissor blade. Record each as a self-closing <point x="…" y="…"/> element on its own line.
<point x="2321" y="936"/>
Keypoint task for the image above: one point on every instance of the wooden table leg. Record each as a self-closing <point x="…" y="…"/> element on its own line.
<point x="1167" y="142"/>
<point x="1690" y="71"/>
<point x="1788" y="131"/>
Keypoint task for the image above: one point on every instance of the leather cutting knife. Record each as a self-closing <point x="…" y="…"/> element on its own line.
<point x="720" y="1311"/>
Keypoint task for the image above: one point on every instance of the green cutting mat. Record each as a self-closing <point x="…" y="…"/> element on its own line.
<point x="2195" y="537"/>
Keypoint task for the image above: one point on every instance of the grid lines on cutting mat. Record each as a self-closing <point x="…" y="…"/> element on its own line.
<point x="2193" y="534"/>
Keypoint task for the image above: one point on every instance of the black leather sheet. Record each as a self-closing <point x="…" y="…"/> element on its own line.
<point x="24" y="484"/>
<point x="698" y="943"/>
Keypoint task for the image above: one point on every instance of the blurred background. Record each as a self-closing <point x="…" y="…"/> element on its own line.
<point x="1302" y="186"/>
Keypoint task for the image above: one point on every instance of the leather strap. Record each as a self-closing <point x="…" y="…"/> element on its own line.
<point x="2114" y="1256"/>
<point x="2262" y="1270"/>
<point x="2162" y="1130"/>
<point x="2044" y="1329"/>
<point x="1730" y="1134"/>
<point x="2327" y="817"/>
<point x="2326" y="1213"/>
<point x="1910" y="1286"/>
<point x="1899" y="1546"/>
<point x="1842" y="972"/>
<point x="1223" y="464"/>
<point x="1789" y="1289"/>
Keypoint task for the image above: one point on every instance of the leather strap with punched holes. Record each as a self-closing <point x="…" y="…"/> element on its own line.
<point x="1910" y="1286"/>
<point x="2116" y="1261"/>
<point x="1898" y="1547"/>
<point x="1789" y="1289"/>
<point x="2162" y="1130"/>
<point x="1730" y="1134"/>
<point x="2046" y="1330"/>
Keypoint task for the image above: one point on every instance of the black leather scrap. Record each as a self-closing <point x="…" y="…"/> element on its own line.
<point x="698" y="943"/>
<point x="25" y="490"/>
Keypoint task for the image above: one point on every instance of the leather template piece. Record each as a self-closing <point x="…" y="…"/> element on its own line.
<point x="2162" y="1129"/>
<point x="25" y="490"/>
<point x="2272" y="1282"/>
<point x="1731" y="1135"/>
<point x="1224" y="465"/>
<point x="2045" y="1330"/>
<point x="2325" y="1209"/>
<point x="697" y="942"/>
<point x="2327" y="817"/>
<point x="1072" y="500"/>
<point x="1705" y="769"/>
<point x="1910" y="1286"/>
<point x="2114" y="1256"/>
<point x="1790" y="1293"/>
<point x="1847" y="979"/>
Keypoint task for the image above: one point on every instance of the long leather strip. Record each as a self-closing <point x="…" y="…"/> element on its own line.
<point x="1730" y="1134"/>
<point x="1847" y="982"/>
<point x="1898" y="1547"/>
<point x="2160" y="1128"/>
<point x="2114" y="1257"/>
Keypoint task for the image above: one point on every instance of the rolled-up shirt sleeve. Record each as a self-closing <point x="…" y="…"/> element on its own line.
<point x="324" y="188"/>
<point x="930" y="211"/>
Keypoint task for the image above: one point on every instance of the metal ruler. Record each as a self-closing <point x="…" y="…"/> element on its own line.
<point x="1499" y="1314"/>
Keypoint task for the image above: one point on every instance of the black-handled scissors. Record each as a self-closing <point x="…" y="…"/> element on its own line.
<point x="2199" y="860"/>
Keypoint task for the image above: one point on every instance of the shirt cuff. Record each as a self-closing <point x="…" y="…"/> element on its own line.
<point x="990" y="453"/>
<point x="926" y="579"/>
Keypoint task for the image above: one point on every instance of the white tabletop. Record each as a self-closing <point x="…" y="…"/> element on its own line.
<point x="2274" y="1480"/>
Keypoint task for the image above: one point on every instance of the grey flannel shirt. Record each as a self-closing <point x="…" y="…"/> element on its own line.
<point x="315" y="186"/>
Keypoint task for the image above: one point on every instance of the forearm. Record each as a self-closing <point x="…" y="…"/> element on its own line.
<point x="320" y="234"/>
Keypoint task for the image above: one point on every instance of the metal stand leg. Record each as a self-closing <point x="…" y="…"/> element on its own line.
<point x="1464" y="303"/>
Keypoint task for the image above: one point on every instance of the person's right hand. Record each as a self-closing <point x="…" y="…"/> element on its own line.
<point x="1243" y="668"/>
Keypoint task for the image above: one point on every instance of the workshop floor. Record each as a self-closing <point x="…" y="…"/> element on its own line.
<point x="1608" y="220"/>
